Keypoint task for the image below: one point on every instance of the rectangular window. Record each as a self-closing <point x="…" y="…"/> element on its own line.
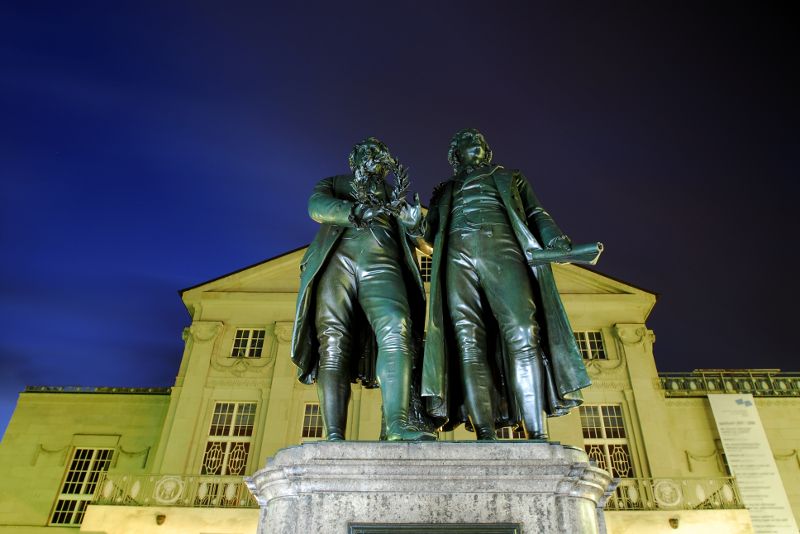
<point x="248" y="343"/>
<point x="79" y="485"/>
<point x="508" y="432"/>
<point x="312" y="421"/>
<point x="425" y="264"/>
<point x="590" y="343"/>
<point x="229" y="438"/>
<point x="605" y="439"/>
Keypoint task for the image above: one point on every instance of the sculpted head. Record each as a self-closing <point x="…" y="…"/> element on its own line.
<point x="468" y="149"/>
<point x="370" y="157"/>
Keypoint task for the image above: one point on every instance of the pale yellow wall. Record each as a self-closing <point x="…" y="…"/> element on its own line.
<point x="142" y="520"/>
<point x="781" y="420"/>
<point x="692" y="432"/>
<point x="689" y="522"/>
<point x="43" y="432"/>
<point x="692" y="435"/>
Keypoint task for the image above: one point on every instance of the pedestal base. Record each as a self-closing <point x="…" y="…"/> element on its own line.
<point x="370" y="487"/>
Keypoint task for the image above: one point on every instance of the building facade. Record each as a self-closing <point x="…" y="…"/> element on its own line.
<point x="172" y="459"/>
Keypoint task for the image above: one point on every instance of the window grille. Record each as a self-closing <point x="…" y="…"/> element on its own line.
<point x="248" y="343"/>
<point x="312" y="421"/>
<point x="80" y="482"/>
<point x="605" y="439"/>
<point x="590" y="343"/>
<point x="228" y="445"/>
<point x="509" y="432"/>
<point x="425" y="264"/>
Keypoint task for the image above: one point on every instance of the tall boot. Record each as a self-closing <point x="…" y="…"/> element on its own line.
<point x="478" y="400"/>
<point x="394" y="374"/>
<point x="528" y="385"/>
<point x="334" y="395"/>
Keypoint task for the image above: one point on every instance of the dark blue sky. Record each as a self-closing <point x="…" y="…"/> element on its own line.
<point x="150" y="146"/>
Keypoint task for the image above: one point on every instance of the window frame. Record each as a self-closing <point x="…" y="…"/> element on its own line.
<point x="91" y="477"/>
<point x="251" y="343"/>
<point x="312" y="417"/>
<point x="584" y="340"/>
<point x="607" y="444"/>
<point x="425" y="265"/>
<point x="226" y="443"/>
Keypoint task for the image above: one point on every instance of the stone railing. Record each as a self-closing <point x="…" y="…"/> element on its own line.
<point x="674" y="494"/>
<point x="96" y="389"/>
<point x="759" y="383"/>
<point x="231" y="492"/>
<point x="173" y="490"/>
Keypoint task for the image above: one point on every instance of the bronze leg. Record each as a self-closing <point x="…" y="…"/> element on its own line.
<point x="466" y="313"/>
<point x="507" y="285"/>
<point x="335" y="298"/>
<point x="382" y="295"/>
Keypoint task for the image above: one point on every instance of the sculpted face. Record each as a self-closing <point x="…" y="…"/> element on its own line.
<point x="471" y="150"/>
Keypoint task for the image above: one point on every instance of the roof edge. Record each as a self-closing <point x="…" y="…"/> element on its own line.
<point x="182" y="291"/>
<point x="621" y="281"/>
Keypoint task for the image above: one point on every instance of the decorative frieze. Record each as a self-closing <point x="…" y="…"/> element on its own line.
<point x="255" y="382"/>
<point x="633" y="334"/>
<point x="173" y="490"/>
<point x="241" y="366"/>
<point x="614" y="385"/>
<point x="202" y="331"/>
<point x="613" y="367"/>
<point x="769" y="383"/>
<point x="144" y="453"/>
<point x="41" y="449"/>
<point x="675" y="494"/>
<point x="789" y="456"/>
<point x="712" y="456"/>
<point x="283" y="331"/>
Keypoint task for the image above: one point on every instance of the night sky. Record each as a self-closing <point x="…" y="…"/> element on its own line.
<point x="151" y="147"/>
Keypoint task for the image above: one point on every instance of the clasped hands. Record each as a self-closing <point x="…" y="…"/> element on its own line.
<point x="408" y="215"/>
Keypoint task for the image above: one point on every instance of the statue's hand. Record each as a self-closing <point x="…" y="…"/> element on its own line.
<point x="561" y="242"/>
<point x="363" y="214"/>
<point x="411" y="214"/>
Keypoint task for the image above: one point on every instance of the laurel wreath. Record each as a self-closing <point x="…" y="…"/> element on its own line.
<point x="397" y="198"/>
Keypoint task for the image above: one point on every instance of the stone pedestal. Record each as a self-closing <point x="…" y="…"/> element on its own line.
<point x="370" y="487"/>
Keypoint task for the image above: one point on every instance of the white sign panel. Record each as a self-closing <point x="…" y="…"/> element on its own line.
<point x="750" y="458"/>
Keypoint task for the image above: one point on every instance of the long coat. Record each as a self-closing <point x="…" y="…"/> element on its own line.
<point x="564" y="367"/>
<point x="331" y="204"/>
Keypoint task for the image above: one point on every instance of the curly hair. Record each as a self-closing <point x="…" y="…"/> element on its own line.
<point x="452" y="152"/>
<point x="362" y="148"/>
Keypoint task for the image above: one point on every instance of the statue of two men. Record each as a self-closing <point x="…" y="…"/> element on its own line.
<point x="499" y="349"/>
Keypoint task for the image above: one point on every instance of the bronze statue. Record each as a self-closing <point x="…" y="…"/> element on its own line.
<point x="361" y="303"/>
<point x="498" y="345"/>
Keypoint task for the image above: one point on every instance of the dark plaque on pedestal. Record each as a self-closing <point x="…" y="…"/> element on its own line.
<point x="435" y="528"/>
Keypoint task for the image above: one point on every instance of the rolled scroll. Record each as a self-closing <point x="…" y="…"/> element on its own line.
<point x="583" y="253"/>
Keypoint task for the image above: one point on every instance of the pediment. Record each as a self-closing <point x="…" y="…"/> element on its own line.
<point x="576" y="280"/>
<point x="280" y="274"/>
